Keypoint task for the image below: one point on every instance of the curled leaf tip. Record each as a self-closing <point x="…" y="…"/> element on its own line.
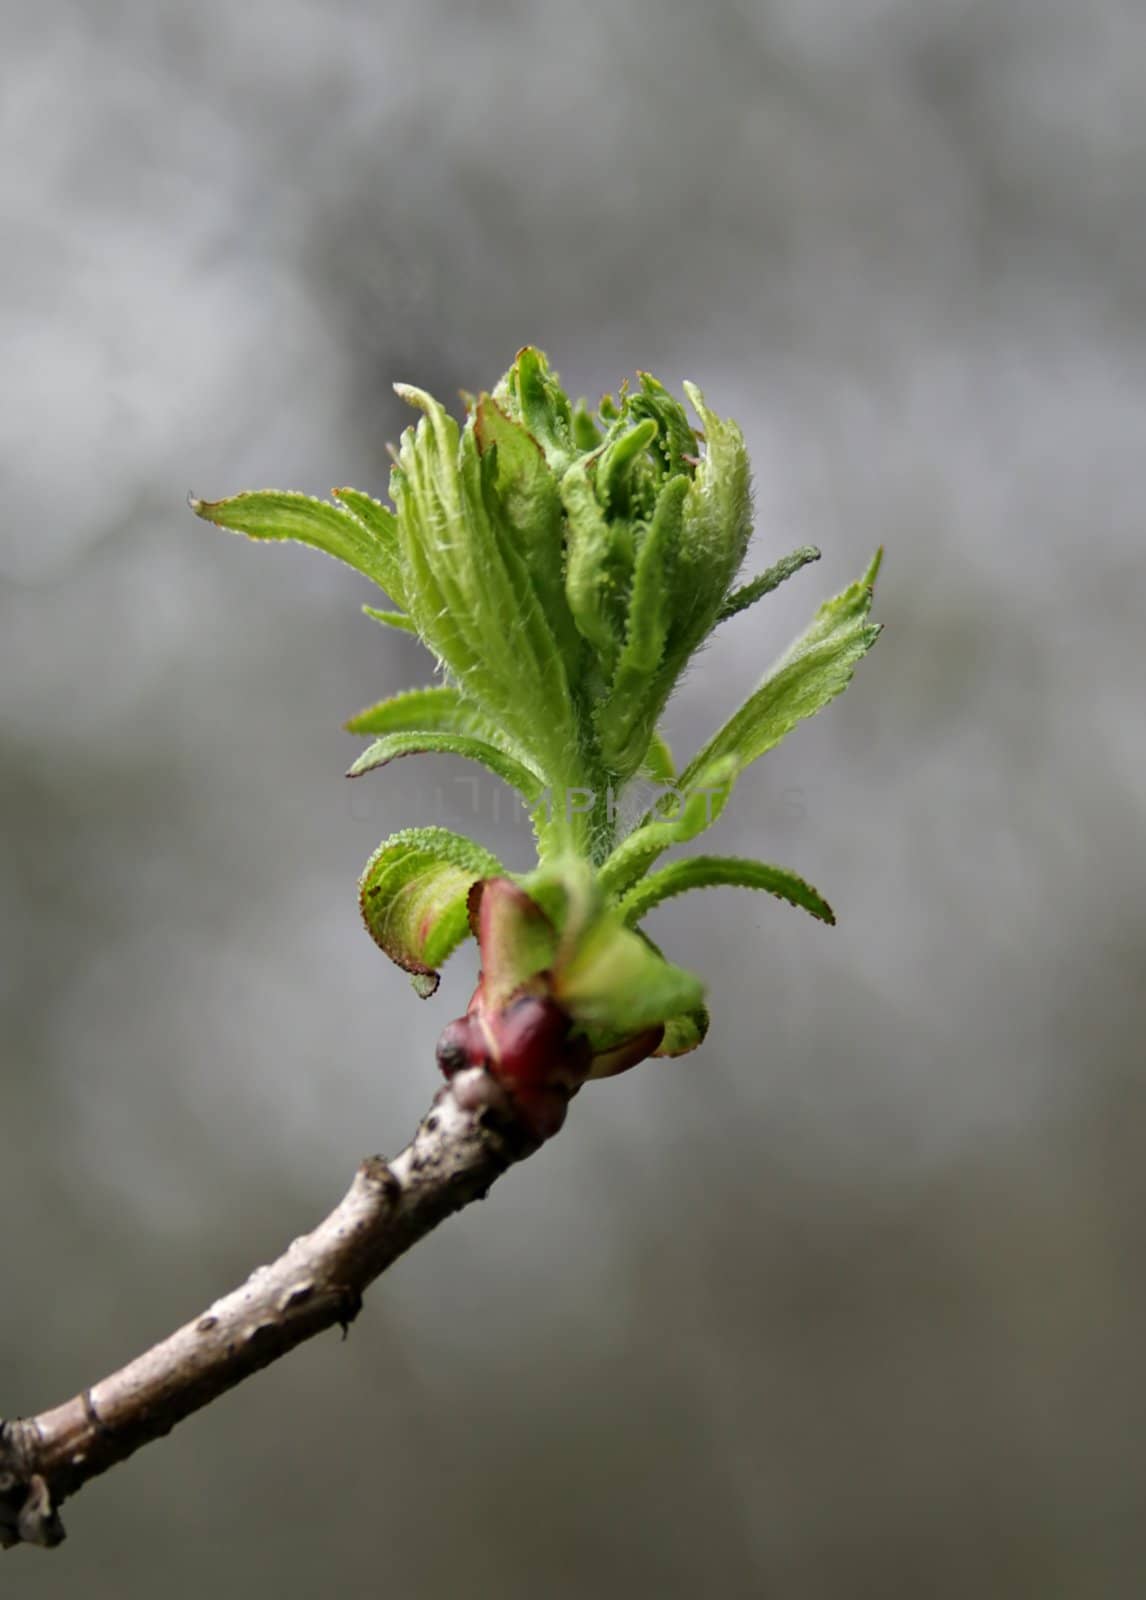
<point x="413" y="396"/>
<point x="696" y="396"/>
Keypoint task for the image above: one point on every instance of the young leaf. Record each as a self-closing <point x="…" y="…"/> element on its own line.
<point x="658" y="763"/>
<point x="676" y="442"/>
<point x="589" y="585"/>
<point x="699" y="803"/>
<point x="531" y="393"/>
<point x="586" y="434"/>
<point x="706" y="872"/>
<point x="687" y="1030"/>
<point x="437" y="709"/>
<point x="278" y="514"/>
<point x="568" y="893"/>
<point x="529" y="502"/>
<point x="717" y="527"/>
<point x="618" y="1056"/>
<point x="383" y="524"/>
<point x="469" y="588"/>
<point x="748" y="594"/>
<point x="392" y="619"/>
<point x="626" y="719"/>
<point x="818" y="667"/>
<point x="614" y="980"/>
<point x="432" y="603"/>
<point x="413" y="895"/>
<point x="391" y="746"/>
<point x="619" y="466"/>
<point x="440" y="709"/>
<point x="527" y="646"/>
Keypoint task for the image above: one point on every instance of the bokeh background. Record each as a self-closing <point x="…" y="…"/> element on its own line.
<point x="851" y="1303"/>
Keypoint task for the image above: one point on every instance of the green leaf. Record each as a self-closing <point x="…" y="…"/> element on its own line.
<point x="277" y="514"/>
<point x="818" y="667"/>
<point x="392" y="619"/>
<point x="688" y="1029"/>
<point x="529" y="512"/>
<point x="383" y="524"/>
<point x="698" y="804"/>
<point x="676" y="442"/>
<point x="520" y="643"/>
<point x="567" y="891"/>
<point x="524" y="480"/>
<point x="417" y="742"/>
<point x="658" y="763"/>
<point x="714" y="537"/>
<point x="614" y="980"/>
<point x="433" y="599"/>
<point x="440" y="709"/>
<point x="707" y="872"/>
<point x="413" y="895"/>
<point x="586" y="434"/>
<point x="619" y="466"/>
<point x="748" y="594"/>
<point x="531" y="393"/>
<point x="590" y="583"/>
<point x="470" y="592"/>
<point x="626" y="719"/>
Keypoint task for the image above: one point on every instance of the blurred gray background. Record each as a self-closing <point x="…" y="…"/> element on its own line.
<point x="849" y="1304"/>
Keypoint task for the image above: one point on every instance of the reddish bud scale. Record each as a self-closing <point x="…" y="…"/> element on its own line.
<point x="526" y="1048"/>
<point x="531" y="1044"/>
<point x="460" y="1046"/>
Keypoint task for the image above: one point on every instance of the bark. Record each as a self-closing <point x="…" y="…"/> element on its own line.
<point x="467" y="1140"/>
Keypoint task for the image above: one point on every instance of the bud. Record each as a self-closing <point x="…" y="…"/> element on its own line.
<point x="563" y="566"/>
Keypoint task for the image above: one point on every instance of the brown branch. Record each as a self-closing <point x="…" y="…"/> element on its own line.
<point x="467" y="1140"/>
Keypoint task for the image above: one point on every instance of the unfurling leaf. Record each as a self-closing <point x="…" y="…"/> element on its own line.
<point x="413" y="896"/>
<point x="817" y="668"/>
<point x="614" y="980"/>
<point x="687" y="1030"/>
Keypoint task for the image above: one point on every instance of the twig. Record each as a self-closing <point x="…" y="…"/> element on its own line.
<point x="466" y="1141"/>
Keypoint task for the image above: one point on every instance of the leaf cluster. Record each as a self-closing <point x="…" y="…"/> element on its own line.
<point x="563" y="567"/>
